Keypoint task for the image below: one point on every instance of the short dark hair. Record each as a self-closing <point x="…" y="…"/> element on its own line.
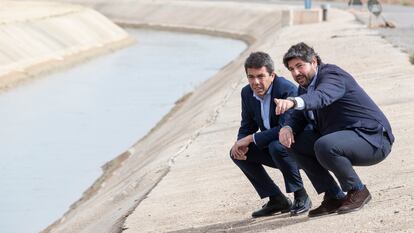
<point x="301" y="51"/>
<point x="257" y="60"/>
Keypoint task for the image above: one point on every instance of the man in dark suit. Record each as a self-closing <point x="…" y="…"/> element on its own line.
<point x="254" y="149"/>
<point x="336" y="125"/>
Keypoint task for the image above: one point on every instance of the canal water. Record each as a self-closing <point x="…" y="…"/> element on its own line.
<point x="56" y="131"/>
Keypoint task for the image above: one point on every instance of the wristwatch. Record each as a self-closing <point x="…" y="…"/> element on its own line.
<point x="295" y="103"/>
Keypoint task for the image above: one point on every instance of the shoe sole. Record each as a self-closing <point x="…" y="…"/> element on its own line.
<point x="300" y="212"/>
<point x="322" y="214"/>
<point x="356" y="209"/>
<point x="267" y="215"/>
<point x="285" y="211"/>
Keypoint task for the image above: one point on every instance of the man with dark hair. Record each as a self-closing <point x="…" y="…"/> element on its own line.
<point x="336" y="125"/>
<point x="254" y="149"/>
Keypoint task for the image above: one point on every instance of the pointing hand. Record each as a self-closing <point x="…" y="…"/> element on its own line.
<point x="282" y="105"/>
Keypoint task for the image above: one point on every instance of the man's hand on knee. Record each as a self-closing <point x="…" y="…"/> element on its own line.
<point x="239" y="153"/>
<point x="286" y="136"/>
<point x="240" y="148"/>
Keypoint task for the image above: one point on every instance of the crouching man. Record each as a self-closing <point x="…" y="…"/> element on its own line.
<point x="348" y="129"/>
<point x="254" y="148"/>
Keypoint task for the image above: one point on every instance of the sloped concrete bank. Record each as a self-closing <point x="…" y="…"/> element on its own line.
<point x="180" y="174"/>
<point x="37" y="37"/>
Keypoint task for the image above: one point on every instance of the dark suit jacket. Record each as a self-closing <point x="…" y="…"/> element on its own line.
<point x="251" y="114"/>
<point x="340" y="104"/>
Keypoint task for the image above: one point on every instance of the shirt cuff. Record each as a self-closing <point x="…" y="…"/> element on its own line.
<point x="300" y="104"/>
<point x="254" y="139"/>
<point x="287" y="126"/>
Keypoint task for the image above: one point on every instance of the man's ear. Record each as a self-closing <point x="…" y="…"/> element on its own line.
<point x="314" y="61"/>
<point x="273" y="74"/>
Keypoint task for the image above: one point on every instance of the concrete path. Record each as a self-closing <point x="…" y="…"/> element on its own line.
<point x="205" y="192"/>
<point x="197" y="187"/>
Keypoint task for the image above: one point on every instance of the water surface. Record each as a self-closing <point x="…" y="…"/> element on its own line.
<point x="57" y="131"/>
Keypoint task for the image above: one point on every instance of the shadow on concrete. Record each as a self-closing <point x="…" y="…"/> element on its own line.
<point x="249" y="225"/>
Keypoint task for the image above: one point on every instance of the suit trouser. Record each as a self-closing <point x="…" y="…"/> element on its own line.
<point x="336" y="152"/>
<point x="274" y="156"/>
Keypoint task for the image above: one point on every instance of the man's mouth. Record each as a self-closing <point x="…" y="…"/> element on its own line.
<point x="259" y="89"/>
<point x="300" y="79"/>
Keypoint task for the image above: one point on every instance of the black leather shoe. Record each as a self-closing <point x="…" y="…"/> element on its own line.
<point x="300" y="206"/>
<point x="272" y="208"/>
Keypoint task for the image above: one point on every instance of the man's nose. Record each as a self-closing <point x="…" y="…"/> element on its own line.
<point x="256" y="80"/>
<point x="294" y="72"/>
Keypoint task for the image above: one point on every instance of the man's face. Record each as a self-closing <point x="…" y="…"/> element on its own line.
<point x="259" y="80"/>
<point x="302" y="72"/>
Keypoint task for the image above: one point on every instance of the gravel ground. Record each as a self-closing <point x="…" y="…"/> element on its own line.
<point x="402" y="36"/>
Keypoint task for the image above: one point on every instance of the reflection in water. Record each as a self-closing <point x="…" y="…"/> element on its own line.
<point x="57" y="131"/>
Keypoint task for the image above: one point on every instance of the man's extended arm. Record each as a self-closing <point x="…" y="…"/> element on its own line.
<point x="331" y="87"/>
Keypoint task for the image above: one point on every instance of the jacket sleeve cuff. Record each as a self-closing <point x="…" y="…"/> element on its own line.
<point x="300" y="104"/>
<point x="254" y="138"/>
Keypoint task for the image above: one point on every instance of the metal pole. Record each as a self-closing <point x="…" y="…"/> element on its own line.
<point x="308" y="4"/>
<point x="325" y="8"/>
<point x="370" y="21"/>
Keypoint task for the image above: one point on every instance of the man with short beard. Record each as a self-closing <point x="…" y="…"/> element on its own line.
<point x="336" y="125"/>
